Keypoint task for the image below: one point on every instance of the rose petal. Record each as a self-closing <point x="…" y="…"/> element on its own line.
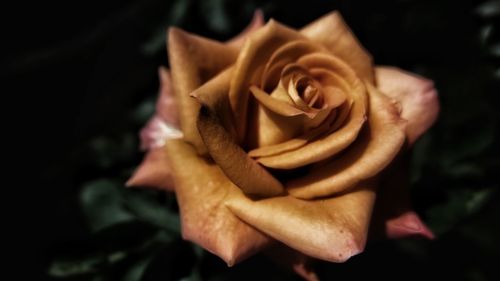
<point x="332" y="229"/>
<point x="154" y="171"/>
<point x="418" y="98"/>
<point x="201" y="190"/>
<point x="332" y="31"/>
<point x="333" y="142"/>
<point x="286" y="54"/>
<point x="292" y="260"/>
<point x="294" y="143"/>
<point x="407" y="224"/>
<point x="375" y="148"/>
<point x="193" y="61"/>
<point x="166" y="106"/>
<point x="256" y="23"/>
<point x="234" y="162"/>
<point x="257" y="49"/>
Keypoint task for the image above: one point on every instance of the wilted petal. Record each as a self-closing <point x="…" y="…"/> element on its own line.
<point x="291" y="259"/>
<point x="154" y="171"/>
<point x="166" y="105"/>
<point x="256" y="23"/>
<point x="332" y="31"/>
<point x="376" y="147"/>
<point x="332" y="229"/>
<point x="230" y="157"/>
<point x="416" y="94"/>
<point x="202" y="190"/>
<point x="193" y="61"/>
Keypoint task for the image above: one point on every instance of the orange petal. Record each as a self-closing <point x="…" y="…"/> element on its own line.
<point x="376" y="147"/>
<point x="193" y="61"/>
<point x="416" y="94"/>
<point x="293" y="260"/>
<point x="201" y="190"/>
<point x="332" y="229"/>
<point x="407" y="224"/>
<point x="256" y="23"/>
<point x="256" y="51"/>
<point x="332" y="31"/>
<point x="166" y="105"/>
<point x="294" y="143"/>
<point x="234" y="162"/>
<point x="154" y="171"/>
<point x="333" y="142"/>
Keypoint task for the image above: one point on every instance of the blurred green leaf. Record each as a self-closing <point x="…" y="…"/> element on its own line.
<point x="489" y="9"/>
<point x="66" y="268"/>
<point x="144" y="111"/>
<point x="145" y="207"/>
<point x="215" y="15"/>
<point x="460" y="204"/>
<point x="103" y="205"/>
<point x="136" y="271"/>
<point x="174" y="16"/>
<point x="107" y="152"/>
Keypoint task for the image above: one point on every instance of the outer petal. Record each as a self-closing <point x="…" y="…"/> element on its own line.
<point x="393" y="215"/>
<point x="234" y="162"/>
<point x="332" y="31"/>
<point x="256" y="23"/>
<point x="418" y="98"/>
<point x="202" y="189"/>
<point x="331" y="229"/>
<point x="193" y="61"/>
<point x="154" y="171"/>
<point x="166" y="105"/>
<point x="375" y="149"/>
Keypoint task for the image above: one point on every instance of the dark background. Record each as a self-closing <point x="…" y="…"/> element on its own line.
<point x="80" y="79"/>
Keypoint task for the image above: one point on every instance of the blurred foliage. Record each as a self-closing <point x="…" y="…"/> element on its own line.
<point x="95" y="229"/>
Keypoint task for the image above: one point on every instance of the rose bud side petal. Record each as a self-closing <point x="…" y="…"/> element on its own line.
<point x="153" y="172"/>
<point x="417" y="96"/>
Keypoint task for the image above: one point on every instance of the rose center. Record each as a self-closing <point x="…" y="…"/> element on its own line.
<point x="310" y="92"/>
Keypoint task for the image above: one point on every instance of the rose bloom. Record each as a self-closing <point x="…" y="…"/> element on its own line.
<point x="288" y="141"/>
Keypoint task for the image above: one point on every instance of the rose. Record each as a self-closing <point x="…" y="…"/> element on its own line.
<point x="286" y="137"/>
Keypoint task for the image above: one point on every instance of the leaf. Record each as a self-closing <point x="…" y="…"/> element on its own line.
<point x="103" y="205"/>
<point x="174" y="16"/>
<point x="489" y="9"/>
<point x="460" y="205"/>
<point x="145" y="207"/>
